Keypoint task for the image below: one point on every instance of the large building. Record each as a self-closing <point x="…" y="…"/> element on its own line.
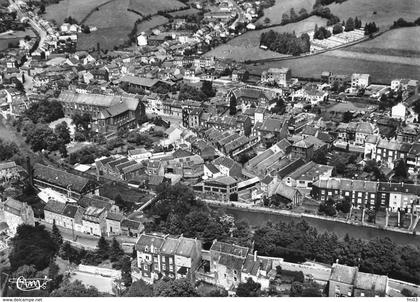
<point x="109" y="112"/>
<point x="360" y="80"/>
<point x="279" y="76"/>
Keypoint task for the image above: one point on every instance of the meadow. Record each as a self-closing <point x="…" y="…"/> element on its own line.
<point x="246" y="46"/>
<point x="311" y="67"/>
<point x="382" y="12"/>
<point x="77" y="9"/>
<point x="113" y="15"/>
<point x="275" y="12"/>
<point x="151" y="7"/>
<point x="184" y="13"/>
<point x="150" y="24"/>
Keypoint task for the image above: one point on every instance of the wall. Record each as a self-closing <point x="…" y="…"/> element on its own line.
<point x="100" y="271"/>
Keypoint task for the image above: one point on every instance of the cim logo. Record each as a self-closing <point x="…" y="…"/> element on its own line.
<point x="30" y="284"/>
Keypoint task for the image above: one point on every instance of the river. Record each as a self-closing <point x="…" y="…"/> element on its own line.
<point x="256" y="219"/>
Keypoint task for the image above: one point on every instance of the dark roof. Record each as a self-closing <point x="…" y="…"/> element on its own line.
<point x="147" y="240"/>
<point x="231" y="261"/>
<point x="55" y="206"/>
<point x="186" y="247"/>
<point x="182" y="271"/>
<point x="114" y="216"/>
<point x="60" y="178"/>
<point x="290" y="168"/>
<point x="96" y="201"/>
<point x="70" y="210"/>
<point x="131" y="224"/>
<point x="227" y="248"/>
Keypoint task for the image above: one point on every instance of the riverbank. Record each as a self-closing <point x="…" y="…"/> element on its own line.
<point x="259" y="216"/>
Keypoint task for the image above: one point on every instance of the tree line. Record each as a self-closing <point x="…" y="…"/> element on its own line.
<point x="401" y="22"/>
<point x="286" y="43"/>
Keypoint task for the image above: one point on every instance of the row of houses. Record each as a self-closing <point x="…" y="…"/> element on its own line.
<point x="369" y="194"/>
<point x="226" y="265"/>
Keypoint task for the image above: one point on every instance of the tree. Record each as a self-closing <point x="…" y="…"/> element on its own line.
<point x="303" y="13"/>
<point x="293" y="15"/>
<point x="174" y="288"/>
<point x="285" y="18"/>
<point x="347" y="117"/>
<point x="337" y="29"/>
<point x="42" y="8"/>
<point x="62" y="132"/>
<point x="32" y="245"/>
<point x="126" y="271"/>
<point x="75" y="289"/>
<point x="267" y="20"/>
<point x="344" y="205"/>
<point x="232" y="104"/>
<point x="56" y="236"/>
<point x="102" y="250"/>
<point x="42" y="138"/>
<point x="249" y="289"/>
<point x="140" y="289"/>
<point x="400" y="169"/>
<point x="207" y="88"/>
<point x="296" y="289"/>
<point x="349" y="24"/>
<point x="115" y="251"/>
<point x="56" y="279"/>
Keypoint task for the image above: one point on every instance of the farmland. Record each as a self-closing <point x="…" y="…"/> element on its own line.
<point x="387" y="11"/>
<point x="107" y="38"/>
<point x="153" y="22"/>
<point x="275" y="12"/>
<point x="397" y="42"/>
<point x="246" y="46"/>
<point x="77" y="9"/>
<point x="185" y="12"/>
<point x="112" y="15"/>
<point x="151" y="7"/>
<point x="311" y="67"/>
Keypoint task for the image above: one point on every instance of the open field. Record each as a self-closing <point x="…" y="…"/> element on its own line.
<point x="77" y="9"/>
<point x="107" y="38"/>
<point x="151" y="7"/>
<point x="311" y="67"/>
<point x="397" y="42"/>
<point x="113" y="15"/>
<point x="14" y="38"/>
<point x="246" y="46"/>
<point x="275" y="12"/>
<point x="152" y="23"/>
<point x="185" y="12"/>
<point x="387" y="11"/>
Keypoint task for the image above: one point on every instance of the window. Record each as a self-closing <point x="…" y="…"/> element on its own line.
<point x="235" y="279"/>
<point x="171" y="260"/>
<point x="163" y="266"/>
<point x="235" y="272"/>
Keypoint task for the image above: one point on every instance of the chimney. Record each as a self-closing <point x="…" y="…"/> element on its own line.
<point x="255" y="255"/>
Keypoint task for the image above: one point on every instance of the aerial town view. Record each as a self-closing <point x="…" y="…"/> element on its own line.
<point x="209" y="148"/>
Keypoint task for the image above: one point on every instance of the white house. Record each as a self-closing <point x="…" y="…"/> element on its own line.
<point x="141" y="40"/>
<point x="360" y="80"/>
<point x="399" y="111"/>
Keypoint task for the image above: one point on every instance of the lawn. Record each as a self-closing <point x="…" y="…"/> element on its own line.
<point x="387" y="11"/>
<point x="77" y="9"/>
<point x="106" y="37"/>
<point x="184" y="13"/>
<point x="112" y="189"/>
<point x="246" y="46"/>
<point x="275" y="12"/>
<point x="151" y="7"/>
<point x="398" y="42"/>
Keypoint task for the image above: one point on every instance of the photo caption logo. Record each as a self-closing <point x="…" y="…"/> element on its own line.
<point x="30" y="284"/>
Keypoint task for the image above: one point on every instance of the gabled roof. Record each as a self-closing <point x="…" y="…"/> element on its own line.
<point x="186" y="247"/>
<point x="146" y="241"/>
<point x="285" y="191"/>
<point x="343" y="273"/>
<point x="70" y="210"/>
<point x="55" y="206"/>
<point x="169" y="246"/>
<point x="227" y="248"/>
<point x="60" y="178"/>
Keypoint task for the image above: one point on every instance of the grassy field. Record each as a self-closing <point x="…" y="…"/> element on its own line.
<point x="151" y="7"/>
<point x="246" y="46"/>
<point x="154" y="22"/>
<point x="107" y="38"/>
<point x="77" y="9"/>
<point x="397" y="42"/>
<point x="275" y="12"/>
<point x="183" y="13"/>
<point x="313" y="66"/>
<point x="113" y="15"/>
<point x="387" y="11"/>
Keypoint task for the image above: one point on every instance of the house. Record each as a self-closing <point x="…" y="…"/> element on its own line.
<point x="280" y="76"/>
<point x="113" y="223"/>
<point x="148" y="248"/>
<point x="132" y="228"/>
<point x="9" y="171"/>
<point x="210" y="171"/>
<point x="258" y="269"/>
<point x="272" y="129"/>
<point x="220" y="188"/>
<point x="304" y="176"/>
<point x="228" y="166"/>
<point x="71" y="185"/>
<point x="53" y="212"/>
<point x="339" y="79"/>
<point x="187" y="257"/>
<point x="142" y="40"/>
<point x="289" y="196"/>
<point x="360" y="80"/>
<point x="226" y="261"/>
<point x="108" y="112"/>
<point x="17" y="213"/>
<point x="389" y="151"/>
<point x="346" y="281"/>
<point x="93" y="221"/>
<point x="399" y="112"/>
<point x="72" y="217"/>
<point x="407" y="134"/>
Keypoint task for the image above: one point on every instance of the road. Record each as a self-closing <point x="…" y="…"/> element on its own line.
<point x="42" y="33"/>
<point x="241" y="15"/>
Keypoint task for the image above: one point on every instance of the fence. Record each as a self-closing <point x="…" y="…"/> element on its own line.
<point x="106" y="272"/>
